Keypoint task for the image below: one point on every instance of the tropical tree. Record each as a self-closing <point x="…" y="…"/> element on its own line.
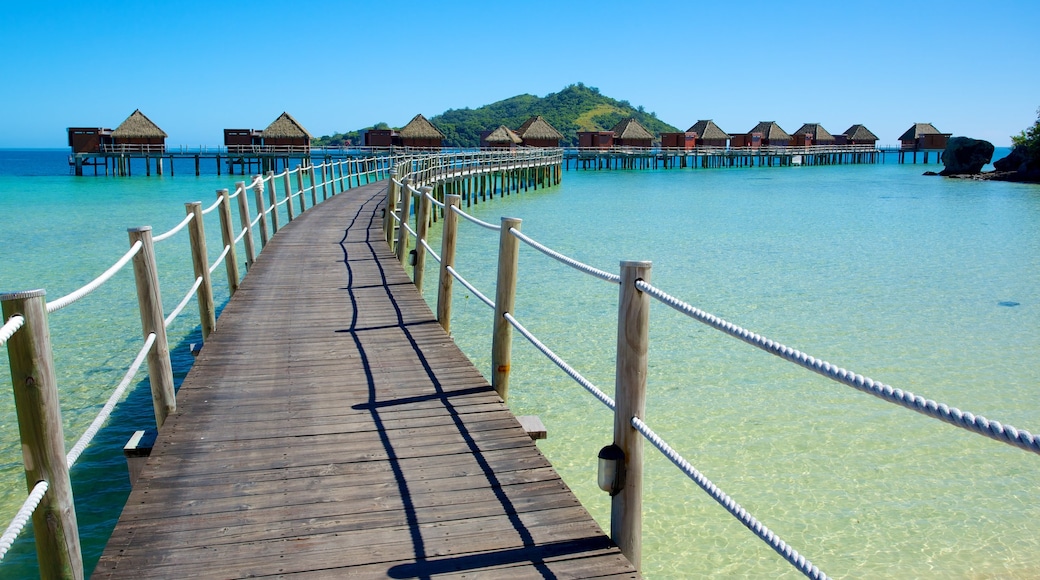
<point x="1030" y="139"/>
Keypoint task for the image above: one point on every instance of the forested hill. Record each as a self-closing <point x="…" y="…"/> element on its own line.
<point x="575" y="108"/>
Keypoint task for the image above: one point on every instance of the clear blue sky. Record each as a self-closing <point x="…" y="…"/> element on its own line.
<point x="971" y="68"/>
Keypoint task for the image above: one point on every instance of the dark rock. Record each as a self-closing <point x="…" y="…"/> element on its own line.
<point x="929" y="173"/>
<point x="966" y="156"/>
<point x="1015" y="160"/>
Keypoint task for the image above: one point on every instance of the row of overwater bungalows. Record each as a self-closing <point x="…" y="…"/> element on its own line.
<point x="285" y="135"/>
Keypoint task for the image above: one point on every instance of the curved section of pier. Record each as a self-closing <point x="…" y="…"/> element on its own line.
<point x="330" y="427"/>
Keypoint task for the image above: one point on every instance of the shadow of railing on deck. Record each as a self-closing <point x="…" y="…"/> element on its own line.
<point x="423" y="567"/>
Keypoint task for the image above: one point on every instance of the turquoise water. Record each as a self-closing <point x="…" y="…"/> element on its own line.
<point x="59" y="232"/>
<point x="875" y="268"/>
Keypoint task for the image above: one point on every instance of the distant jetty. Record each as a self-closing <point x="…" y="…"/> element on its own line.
<point x="628" y="145"/>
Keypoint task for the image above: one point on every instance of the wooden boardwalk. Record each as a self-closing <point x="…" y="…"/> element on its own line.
<point x="330" y="428"/>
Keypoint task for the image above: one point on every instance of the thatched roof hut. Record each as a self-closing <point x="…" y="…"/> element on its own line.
<point x="770" y="133"/>
<point x="812" y="134"/>
<point x="139" y="131"/>
<point x="709" y="134"/>
<point x="503" y="137"/>
<point x="419" y="132"/>
<point x="859" y="135"/>
<point x="924" y="136"/>
<point x="629" y="133"/>
<point x="537" y="132"/>
<point x="284" y="128"/>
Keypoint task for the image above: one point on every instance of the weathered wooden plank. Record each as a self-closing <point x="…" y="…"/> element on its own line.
<point x="331" y="428"/>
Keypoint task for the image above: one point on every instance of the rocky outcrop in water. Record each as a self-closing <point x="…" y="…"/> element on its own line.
<point x="966" y="156"/>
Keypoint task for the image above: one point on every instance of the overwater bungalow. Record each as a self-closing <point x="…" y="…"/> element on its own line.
<point x="857" y="135"/>
<point x="88" y="139"/>
<point x="502" y="137"/>
<point x="419" y="132"/>
<point x="811" y="134"/>
<point x="139" y="133"/>
<point x="595" y="139"/>
<point x="286" y="134"/>
<point x="537" y="132"/>
<point x="764" y="134"/>
<point x="242" y="140"/>
<point x="684" y="141"/>
<point x="924" y="137"/>
<point x="709" y="134"/>
<point x="379" y="137"/>
<point x="630" y="133"/>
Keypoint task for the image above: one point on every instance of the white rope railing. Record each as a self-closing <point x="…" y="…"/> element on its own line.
<point x="433" y="254"/>
<point x="555" y="358"/>
<point x="22" y="517"/>
<point x="10" y="327"/>
<point x="96" y="282"/>
<point x="184" y="302"/>
<point x="781" y="547"/>
<point x="177" y="228"/>
<point x="952" y="415"/>
<point x="581" y="267"/>
<point x="220" y="259"/>
<point x="404" y="224"/>
<point x="110" y="405"/>
<point x="470" y="287"/>
<point x="215" y="205"/>
<point x="439" y="204"/>
<point x="241" y="235"/>
<point x="483" y="224"/>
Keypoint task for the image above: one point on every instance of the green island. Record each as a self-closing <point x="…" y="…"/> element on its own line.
<point x="575" y="108"/>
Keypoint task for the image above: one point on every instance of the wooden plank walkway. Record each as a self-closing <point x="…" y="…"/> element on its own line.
<point x="330" y="428"/>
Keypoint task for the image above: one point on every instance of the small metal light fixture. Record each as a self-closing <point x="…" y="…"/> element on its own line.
<point x="411" y="257"/>
<point x="611" y="475"/>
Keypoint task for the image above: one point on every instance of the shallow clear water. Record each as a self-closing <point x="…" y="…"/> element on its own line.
<point x="877" y="269"/>
<point x="874" y="268"/>
<point x="60" y="232"/>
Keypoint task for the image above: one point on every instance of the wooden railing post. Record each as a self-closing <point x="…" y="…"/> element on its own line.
<point x="404" y="212"/>
<point x="200" y="262"/>
<point x="149" y="302"/>
<point x="505" y="296"/>
<point x="299" y="186"/>
<point x="422" y="220"/>
<point x="272" y="197"/>
<point x="244" y="222"/>
<point x="325" y="183"/>
<point x="314" y="187"/>
<point x="339" y="170"/>
<point x="391" y="207"/>
<point x="626" y="507"/>
<point x="288" y="195"/>
<point x="261" y="211"/>
<point x="227" y="235"/>
<point x="449" y="235"/>
<point x="43" y="440"/>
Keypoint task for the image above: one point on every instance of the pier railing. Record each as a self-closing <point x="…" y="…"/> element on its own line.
<point x="26" y="334"/>
<point x="719" y="150"/>
<point x="621" y="463"/>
